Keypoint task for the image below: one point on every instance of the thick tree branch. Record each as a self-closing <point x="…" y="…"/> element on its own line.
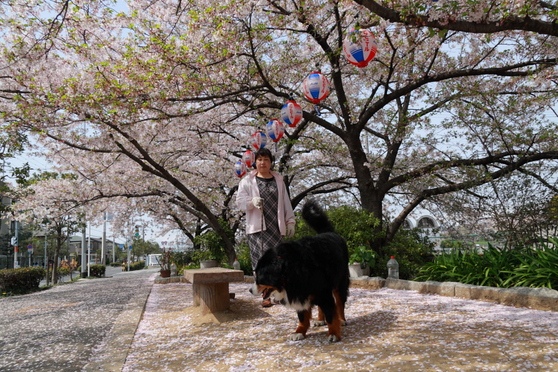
<point x="480" y="27"/>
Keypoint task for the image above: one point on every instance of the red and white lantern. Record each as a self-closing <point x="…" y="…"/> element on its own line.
<point x="259" y="139"/>
<point x="360" y="47"/>
<point x="275" y="130"/>
<point x="249" y="158"/>
<point x="291" y="113"/>
<point x="240" y="168"/>
<point x="315" y="87"/>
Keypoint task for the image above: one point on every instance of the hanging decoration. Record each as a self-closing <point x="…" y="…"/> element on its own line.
<point x="291" y="113"/>
<point x="315" y="87"/>
<point x="240" y="168"/>
<point x="360" y="47"/>
<point x="249" y="158"/>
<point x="275" y="130"/>
<point x="259" y="139"/>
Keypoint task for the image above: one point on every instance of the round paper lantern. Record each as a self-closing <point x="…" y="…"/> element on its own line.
<point x="259" y="140"/>
<point x="315" y="87"/>
<point x="240" y="168"/>
<point x="291" y="113"/>
<point x="360" y="47"/>
<point x="275" y="130"/>
<point x="249" y="158"/>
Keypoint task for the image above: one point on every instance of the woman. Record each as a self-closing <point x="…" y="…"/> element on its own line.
<point x="262" y="194"/>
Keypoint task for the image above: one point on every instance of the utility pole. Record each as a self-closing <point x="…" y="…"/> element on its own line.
<point x="128" y="249"/>
<point x="89" y="252"/>
<point x="83" y="261"/>
<point x="113" y="249"/>
<point x="15" y="243"/>
<point x="45" y="264"/>
<point x="104" y="239"/>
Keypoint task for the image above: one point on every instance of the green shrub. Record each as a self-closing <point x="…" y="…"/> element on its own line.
<point x="20" y="281"/>
<point x="138" y="265"/>
<point x="243" y="256"/>
<point x="411" y="249"/>
<point x="355" y="225"/>
<point x="98" y="271"/>
<point x="358" y="227"/>
<point x="181" y="260"/>
<point x="211" y="245"/>
<point x="63" y="271"/>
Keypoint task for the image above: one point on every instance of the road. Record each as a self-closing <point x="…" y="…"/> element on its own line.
<point x="73" y="327"/>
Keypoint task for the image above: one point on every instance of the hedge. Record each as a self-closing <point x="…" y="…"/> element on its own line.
<point x="138" y="265"/>
<point x="21" y="281"/>
<point x="98" y="271"/>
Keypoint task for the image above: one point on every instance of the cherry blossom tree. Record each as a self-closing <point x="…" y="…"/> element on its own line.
<point x="41" y="204"/>
<point x="155" y="101"/>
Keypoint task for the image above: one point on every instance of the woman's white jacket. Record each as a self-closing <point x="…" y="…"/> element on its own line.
<point x="248" y="189"/>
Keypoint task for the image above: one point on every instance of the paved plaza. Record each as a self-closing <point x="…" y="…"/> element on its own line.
<point x="128" y="323"/>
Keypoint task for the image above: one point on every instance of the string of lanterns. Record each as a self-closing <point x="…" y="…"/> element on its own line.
<point x="359" y="47"/>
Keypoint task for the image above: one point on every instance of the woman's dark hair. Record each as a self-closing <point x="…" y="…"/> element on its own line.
<point x="264" y="153"/>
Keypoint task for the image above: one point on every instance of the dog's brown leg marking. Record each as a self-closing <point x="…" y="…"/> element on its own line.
<point x="304" y="323"/>
<point x="340" y="307"/>
<point x="321" y="316"/>
<point x="335" y="328"/>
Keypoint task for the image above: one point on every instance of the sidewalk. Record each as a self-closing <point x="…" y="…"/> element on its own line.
<point x="127" y="323"/>
<point x="63" y="328"/>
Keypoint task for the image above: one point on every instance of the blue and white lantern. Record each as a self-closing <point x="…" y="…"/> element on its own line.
<point x="240" y="168"/>
<point x="291" y="113"/>
<point x="259" y="139"/>
<point x="315" y="87"/>
<point x="360" y="47"/>
<point x="275" y="130"/>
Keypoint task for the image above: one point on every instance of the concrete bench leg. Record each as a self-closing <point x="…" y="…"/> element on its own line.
<point x="212" y="297"/>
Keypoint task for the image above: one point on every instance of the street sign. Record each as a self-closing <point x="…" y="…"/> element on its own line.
<point x="14" y="240"/>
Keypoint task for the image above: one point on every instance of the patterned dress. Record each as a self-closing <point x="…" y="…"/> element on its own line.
<point x="261" y="241"/>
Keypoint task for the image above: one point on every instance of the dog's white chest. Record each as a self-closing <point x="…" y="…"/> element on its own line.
<point x="283" y="297"/>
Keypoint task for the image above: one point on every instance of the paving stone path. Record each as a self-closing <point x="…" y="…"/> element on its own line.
<point x="63" y="328"/>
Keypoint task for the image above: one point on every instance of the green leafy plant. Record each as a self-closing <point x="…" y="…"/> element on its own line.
<point x="363" y="255"/>
<point x="495" y="267"/>
<point x="211" y="245"/>
<point x="537" y="268"/>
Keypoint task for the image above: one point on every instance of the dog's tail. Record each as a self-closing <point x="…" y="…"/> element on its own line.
<point x="316" y="218"/>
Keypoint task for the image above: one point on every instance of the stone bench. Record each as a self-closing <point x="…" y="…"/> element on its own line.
<point x="211" y="287"/>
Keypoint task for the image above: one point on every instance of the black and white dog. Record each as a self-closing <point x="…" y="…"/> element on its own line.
<point x="307" y="272"/>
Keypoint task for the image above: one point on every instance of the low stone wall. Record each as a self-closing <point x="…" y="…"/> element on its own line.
<point x="170" y="279"/>
<point x="182" y="279"/>
<point x="533" y="298"/>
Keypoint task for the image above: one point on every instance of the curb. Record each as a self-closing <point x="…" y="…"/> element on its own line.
<point x="120" y="337"/>
<point x="534" y="298"/>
